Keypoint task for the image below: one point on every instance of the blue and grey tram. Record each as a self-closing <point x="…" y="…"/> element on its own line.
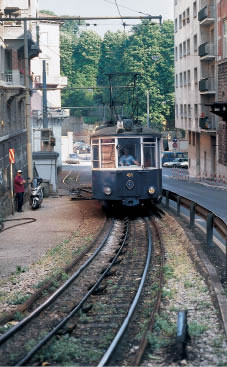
<point x="126" y="166"/>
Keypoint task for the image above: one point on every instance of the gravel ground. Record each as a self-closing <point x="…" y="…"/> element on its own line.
<point x="185" y="289"/>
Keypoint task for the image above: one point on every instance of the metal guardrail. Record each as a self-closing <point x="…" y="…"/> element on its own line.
<point x="212" y="220"/>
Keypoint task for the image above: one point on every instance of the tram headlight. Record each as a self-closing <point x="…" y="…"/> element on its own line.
<point x="151" y="190"/>
<point x="107" y="190"/>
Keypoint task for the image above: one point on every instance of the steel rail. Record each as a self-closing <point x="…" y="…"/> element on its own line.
<point x="125" y="323"/>
<point x="144" y="341"/>
<point x="75" y="309"/>
<point x="56" y="294"/>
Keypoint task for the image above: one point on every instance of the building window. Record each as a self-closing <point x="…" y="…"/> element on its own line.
<point x="175" y="2"/>
<point x="181" y="50"/>
<point x="189" y="111"/>
<point x="180" y="21"/>
<point x="188" y="47"/>
<point x="188" y="15"/>
<point x="225" y="39"/>
<point x="176" y="25"/>
<point x="189" y="77"/>
<point x="176" y="110"/>
<point x="176" y="54"/>
<point x="185" y="78"/>
<point x="184" y="18"/>
<point x="185" y="110"/>
<point x="176" y="81"/>
<point x="196" y="110"/>
<point x="195" y="42"/>
<point x="184" y="48"/>
<point x="181" y="111"/>
<point x="193" y="138"/>
<point x="195" y="75"/>
<point x="195" y="9"/>
<point x="181" y="80"/>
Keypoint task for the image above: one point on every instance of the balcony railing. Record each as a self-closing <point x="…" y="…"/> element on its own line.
<point x="207" y="86"/>
<point x="12" y="77"/>
<point x="207" y="15"/>
<point x="206" y="51"/>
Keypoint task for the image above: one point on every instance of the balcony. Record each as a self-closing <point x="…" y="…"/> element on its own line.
<point x="207" y="86"/>
<point x="207" y="123"/>
<point x="12" y="78"/>
<point x="206" y="15"/>
<point x="57" y="80"/>
<point x="206" y="51"/>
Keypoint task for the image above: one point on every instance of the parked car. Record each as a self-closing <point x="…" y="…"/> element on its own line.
<point x="177" y="162"/>
<point x="170" y="156"/>
<point x="72" y="159"/>
<point x="184" y="163"/>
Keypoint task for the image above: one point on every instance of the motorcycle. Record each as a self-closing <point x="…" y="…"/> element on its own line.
<point x="36" y="197"/>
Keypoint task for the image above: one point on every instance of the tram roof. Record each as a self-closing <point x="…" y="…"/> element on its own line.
<point x="112" y="131"/>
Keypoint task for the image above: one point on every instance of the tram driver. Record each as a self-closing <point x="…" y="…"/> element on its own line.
<point x="126" y="159"/>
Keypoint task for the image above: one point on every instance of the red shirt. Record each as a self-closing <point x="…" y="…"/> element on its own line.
<point x="18" y="184"/>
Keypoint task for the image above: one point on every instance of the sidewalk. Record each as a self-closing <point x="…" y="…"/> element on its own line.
<point x="56" y="221"/>
<point x="182" y="174"/>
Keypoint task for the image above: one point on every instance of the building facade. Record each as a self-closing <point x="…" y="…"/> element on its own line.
<point x="49" y="41"/>
<point x="222" y="85"/>
<point x="13" y="132"/>
<point x="196" y="82"/>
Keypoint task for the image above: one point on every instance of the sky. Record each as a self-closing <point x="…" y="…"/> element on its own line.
<point x="108" y="8"/>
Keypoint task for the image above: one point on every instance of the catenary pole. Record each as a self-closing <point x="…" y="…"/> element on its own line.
<point x="27" y="103"/>
<point x="45" y="117"/>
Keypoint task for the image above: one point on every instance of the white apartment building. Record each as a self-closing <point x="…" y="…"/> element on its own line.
<point x="196" y="81"/>
<point x="49" y="43"/>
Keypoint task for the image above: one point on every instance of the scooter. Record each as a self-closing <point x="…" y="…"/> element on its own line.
<point x="36" y="197"/>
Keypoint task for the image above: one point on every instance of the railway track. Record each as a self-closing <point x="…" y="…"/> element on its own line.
<point x="84" y="321"/>
<point x="71" y="181"/>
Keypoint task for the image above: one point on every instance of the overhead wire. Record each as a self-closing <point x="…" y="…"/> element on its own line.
<point x="122" y="6"/>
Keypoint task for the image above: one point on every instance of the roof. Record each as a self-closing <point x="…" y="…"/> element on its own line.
<point x="112" y="131"/>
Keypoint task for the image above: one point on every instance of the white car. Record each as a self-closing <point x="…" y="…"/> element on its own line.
<point x="72" y="159"/>
<point x="177" y="162"/>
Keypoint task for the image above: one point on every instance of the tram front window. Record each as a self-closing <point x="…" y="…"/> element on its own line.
<point x="129" y="152"/>
<point x="149" y="156"/>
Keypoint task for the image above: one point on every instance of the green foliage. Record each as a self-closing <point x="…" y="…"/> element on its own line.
<point x="19" y="299"/>
<point x="148" y="50"/>
<point x="48" y="12"/>
<point x="196" y="329"/>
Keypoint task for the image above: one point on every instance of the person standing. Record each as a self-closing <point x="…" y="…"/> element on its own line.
<point x="19" y="190"/>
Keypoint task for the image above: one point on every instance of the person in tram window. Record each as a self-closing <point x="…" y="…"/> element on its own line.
<point x="127" y="160"/>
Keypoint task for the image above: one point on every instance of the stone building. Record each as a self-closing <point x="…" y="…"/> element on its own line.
<point x="13" y="132"/>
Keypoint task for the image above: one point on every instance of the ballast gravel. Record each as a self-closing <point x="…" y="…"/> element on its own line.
<point x="185" y="289"/>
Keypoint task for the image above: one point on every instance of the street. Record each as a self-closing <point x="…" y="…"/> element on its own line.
<point x="211" y="197"/>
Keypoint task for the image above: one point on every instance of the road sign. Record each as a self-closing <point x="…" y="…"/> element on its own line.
<point x="11" y="156"/>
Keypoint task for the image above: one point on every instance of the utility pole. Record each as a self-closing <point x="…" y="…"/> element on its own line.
<point x="45" y="117"/>
<point x="148" y="109"/>
<point x="27" y="103"/>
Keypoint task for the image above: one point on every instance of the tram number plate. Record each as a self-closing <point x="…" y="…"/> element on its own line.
<point x="129" y="175"/>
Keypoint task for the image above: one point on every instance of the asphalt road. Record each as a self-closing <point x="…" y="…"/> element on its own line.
<point x="212" y="197"/>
